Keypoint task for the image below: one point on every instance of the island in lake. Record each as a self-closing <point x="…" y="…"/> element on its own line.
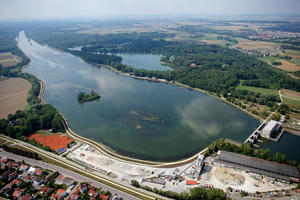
<point x="83" y="97"/>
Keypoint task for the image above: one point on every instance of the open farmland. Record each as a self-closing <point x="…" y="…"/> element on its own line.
<point x="291" y="98"/>
<point x="13" y="93"/>
<point x="264" y="91"/>
<point x="287" y="66"/>
<point x="8" y="59"/>
<point x="255" y="45"/>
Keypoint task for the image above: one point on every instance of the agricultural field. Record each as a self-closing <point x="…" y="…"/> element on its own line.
<point x="13" y="93"/>
<point x="8" y="59"/>
<point x="291" y="98"/>
<point x="264" y="91"/>
<point x="256" y="45"/>
<point x="287" y="66"/>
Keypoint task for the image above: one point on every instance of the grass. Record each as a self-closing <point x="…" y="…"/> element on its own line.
<point x="291" y="102"/>
<point x="265" y="91"/>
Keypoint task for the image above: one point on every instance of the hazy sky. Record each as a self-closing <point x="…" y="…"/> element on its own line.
<point x="12" y="9"/>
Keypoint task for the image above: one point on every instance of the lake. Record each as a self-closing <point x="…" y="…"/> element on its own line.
<point x="138" y="118"/>
<point x="143" y="61"/>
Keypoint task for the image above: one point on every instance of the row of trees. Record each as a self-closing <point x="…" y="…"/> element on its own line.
<point x="21" y="152"/>
<point x="246" y="149"/>
<point x="194" y="194"/>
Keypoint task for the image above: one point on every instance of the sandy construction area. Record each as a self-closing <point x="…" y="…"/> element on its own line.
<point x="8" y="59"/>
<point x="13" y="93"/>
<point x="224" y="177"/>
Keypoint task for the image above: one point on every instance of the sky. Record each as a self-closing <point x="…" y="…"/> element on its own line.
<point x="28" y="9"/>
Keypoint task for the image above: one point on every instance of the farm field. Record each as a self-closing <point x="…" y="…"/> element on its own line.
<point x="264" y="91"/>
<point x="287" y="66"/>
<point x="291" y="98"/>
<point x="255" y="45"/>
<point x="8" y="59"/>
<point x="13" y="93"/>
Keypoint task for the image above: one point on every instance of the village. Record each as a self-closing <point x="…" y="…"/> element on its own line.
<point x="25" y="182"/>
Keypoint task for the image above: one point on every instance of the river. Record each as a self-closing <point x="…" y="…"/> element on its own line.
<point x="138" y="118"/>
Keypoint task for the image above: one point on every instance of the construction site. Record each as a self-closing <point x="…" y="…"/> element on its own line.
<point x="206" y="172"/>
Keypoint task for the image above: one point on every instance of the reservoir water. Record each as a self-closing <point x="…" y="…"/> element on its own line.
<point x="143" y="61"/>
<point x="138" y="118"/>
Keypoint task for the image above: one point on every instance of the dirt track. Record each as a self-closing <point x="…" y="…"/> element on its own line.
<point x="13" y="93"/>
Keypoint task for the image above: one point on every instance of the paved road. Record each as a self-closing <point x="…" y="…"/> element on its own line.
<point x="69" y="173"/>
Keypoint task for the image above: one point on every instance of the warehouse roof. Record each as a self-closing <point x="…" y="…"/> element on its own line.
<point x="260" y="166"/>
<point x="270" y="125"/>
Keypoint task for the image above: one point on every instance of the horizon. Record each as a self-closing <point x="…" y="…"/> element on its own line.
<point x="55" y="9"/>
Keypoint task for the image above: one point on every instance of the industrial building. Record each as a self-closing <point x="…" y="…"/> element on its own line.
<point x="258" y="166"/>
<point x="270" y="129"/>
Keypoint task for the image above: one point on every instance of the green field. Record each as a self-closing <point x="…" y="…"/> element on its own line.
<point x="291" y="102"/>
<point x="264" y="91"/>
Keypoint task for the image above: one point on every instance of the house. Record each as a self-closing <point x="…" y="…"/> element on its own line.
<point x="39" y="172"/>
<point x="46" y="190"/>
<point x="75" y="196"/>
<point x="23" y="167"/>
<point x="16" y="182"/>
<point x="83" y="187"/>
<point x="4" y="160"/>
<point x="28" y="178"/>
<point x="104" y="197"/>
<point x="61" y="192"/>
<point x="38" y="181"/>
<point x="58" y="180"/>
<point x="92" y="193"/>
<point x="12" y="164"/>
<point x="17" y="193"/>
<point x="12" y="175"/>
<point x="26" y="197"/>
<point x="31" y="170"/>
<point x="56" y="197"/>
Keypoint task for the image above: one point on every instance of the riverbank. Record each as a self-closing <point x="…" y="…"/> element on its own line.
<point x="181" y="85"/>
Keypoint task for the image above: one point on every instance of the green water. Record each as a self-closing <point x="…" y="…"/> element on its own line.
<point x="143" y="61"/>
<point x="139" y="118"/>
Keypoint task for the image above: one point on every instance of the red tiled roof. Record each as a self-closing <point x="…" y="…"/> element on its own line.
<point x="55" y="142"/>
<point x="59" y="177"/>
<point x="39" y="172"/>
<point x="60" y="191"/>
<point x="103" y="197"/>
<point x="191" y="182"/>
